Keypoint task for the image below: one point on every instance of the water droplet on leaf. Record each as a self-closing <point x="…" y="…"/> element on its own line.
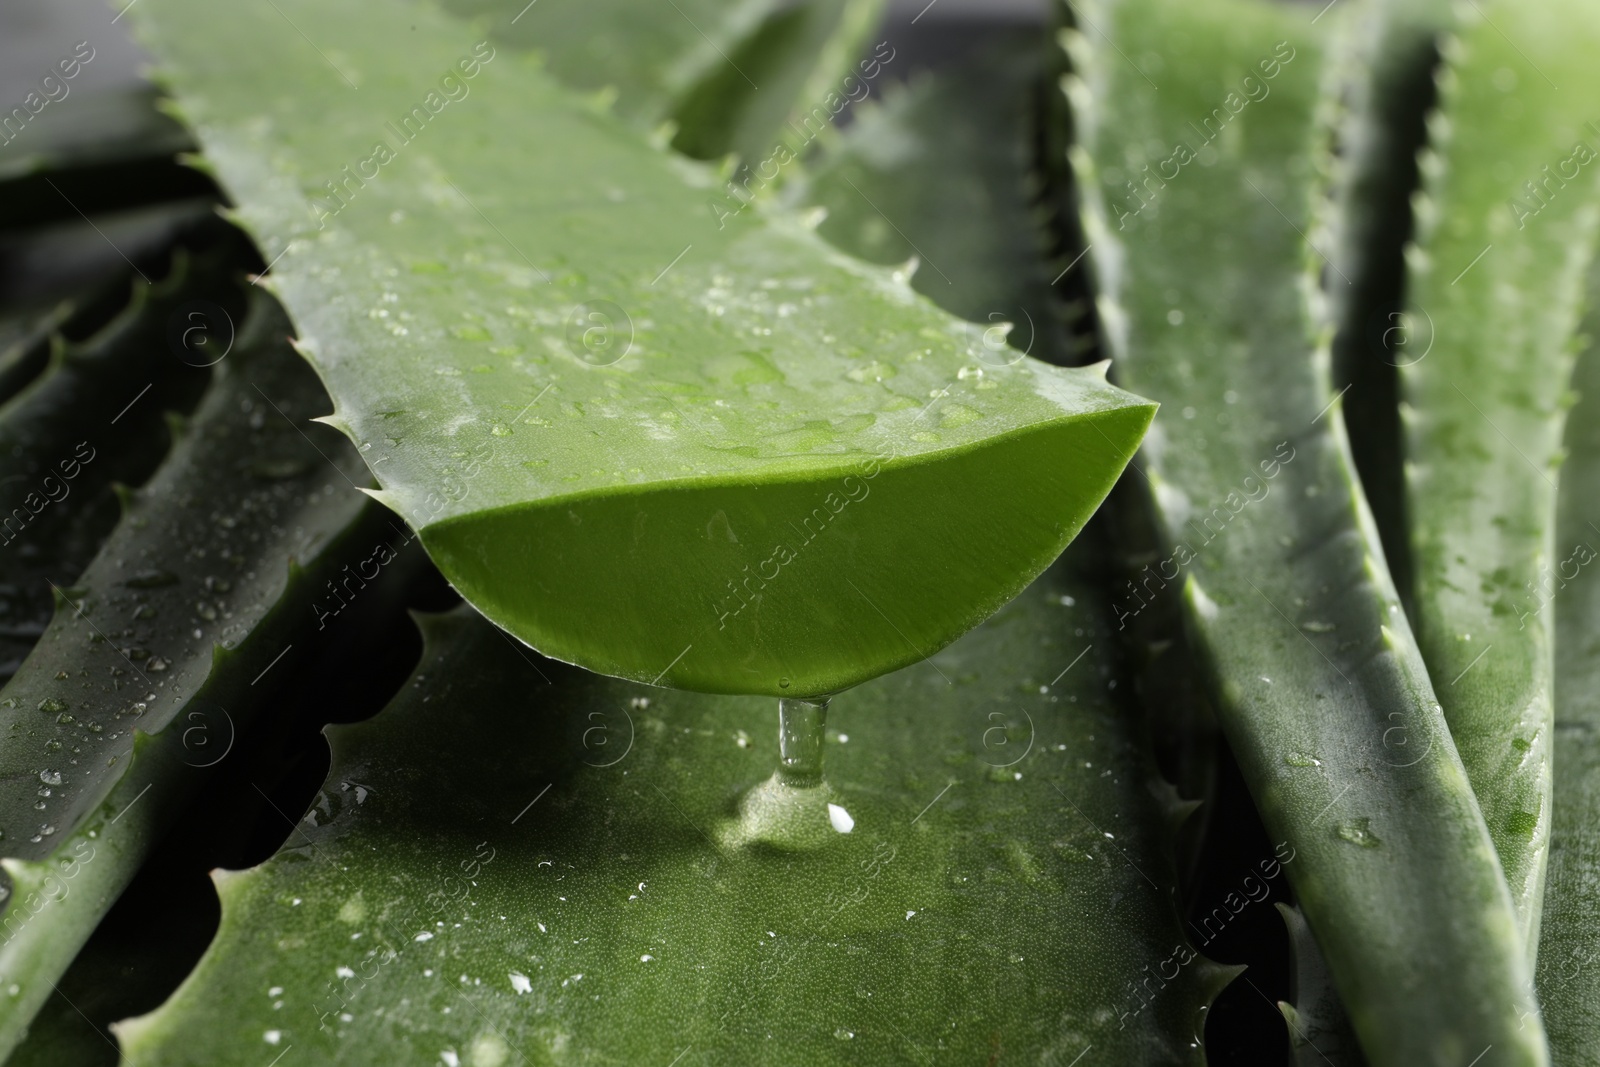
<point x="1358" y="832"/>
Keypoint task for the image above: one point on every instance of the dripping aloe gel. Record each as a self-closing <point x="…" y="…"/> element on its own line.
<point x="795" y="809"/>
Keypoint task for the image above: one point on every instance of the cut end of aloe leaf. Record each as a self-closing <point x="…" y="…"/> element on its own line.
<point x="797" y="584"/>
<point x="632" y="419"/>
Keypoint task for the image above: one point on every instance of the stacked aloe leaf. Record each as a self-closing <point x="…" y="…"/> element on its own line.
<point x="711" y="355"/>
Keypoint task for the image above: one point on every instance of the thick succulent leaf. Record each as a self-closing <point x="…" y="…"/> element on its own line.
<point x="1569" y="939"/>
<point x="648" y="57"/>
<point x="165" y="918"/>
<point x="217" y="567"/>
<point x="806" y="58"/>
<point x="94" y="418"/>
<point x="1388" y="79"/>
<point x="726" y="76"/>
<point x="25" y="338"/>
<point x="979" y="239"/>
<point x="1319" y="1031"/>
<point x="1208" y="300"/>
<point x="1496" y="281"/>
<point x="71" y="277"/>
<point x="535" y="859"/>
<point x="692" y="468"/>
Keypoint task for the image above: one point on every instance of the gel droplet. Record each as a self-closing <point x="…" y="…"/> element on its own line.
<point x="802" y="726"/>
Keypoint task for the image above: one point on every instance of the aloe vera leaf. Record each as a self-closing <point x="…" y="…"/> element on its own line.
<point x="165" y="918"/>
<point x="650" y="56"/>
<point x="25" y="334"/>
<point x="807" y="58"/>
<point x="725" y="77"/>
<point x="1569" y="937"/>
<point x="976" y="230"/>
<point x="969" y="914"/>
<point x="217" y="568"/>
<point x="1501" y="287"/>
<point x="71" y="278"/>
<point x="1319" y="1031"/>
<point x="96" y="417"/>
<point x="1208" y="296"/>
<point x="698" y="503"/>
<point x="1389" y="89"/>
<point x="1390" y="56"/>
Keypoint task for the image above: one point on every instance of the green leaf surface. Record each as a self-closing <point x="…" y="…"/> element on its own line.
<point x="1569" y="938"/>
<point x="71" y="278"/>
<point x="215" y="569"/>
<point x="1319" y="1030"/>
<point x="1392" y="56"/>
<point x="94" y="418"/>
<point x="636" y="429"/>
<point x="542" y="861"/>
<point x="1496" y="280"/>
<point x="1209" y="300"/>
<point x="695" y="65"/>
<point x="649" y="57"/>
<point x="25" y="341"/>
<point x="978" y="223"/>
<point x="806" y="56"/>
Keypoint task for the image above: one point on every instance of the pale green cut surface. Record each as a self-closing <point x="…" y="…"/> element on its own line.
<point x="646" y="430"/>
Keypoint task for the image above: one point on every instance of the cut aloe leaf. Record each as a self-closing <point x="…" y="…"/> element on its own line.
<point x="149" y="668"/>
<point x="1208" y="300"/>
<point x="532" y="838"/>
<point x="1569" y="938"/>
<point x="1507" y="226"/>
<point x="646" y="433"/>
